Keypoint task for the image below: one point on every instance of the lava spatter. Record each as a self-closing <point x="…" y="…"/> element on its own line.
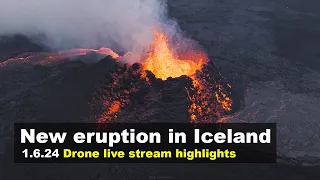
<point x="115" y="93"/>
<point x="208" y="99"/>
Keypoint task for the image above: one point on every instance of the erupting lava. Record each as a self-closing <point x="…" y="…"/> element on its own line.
<point x="163" y="63"/>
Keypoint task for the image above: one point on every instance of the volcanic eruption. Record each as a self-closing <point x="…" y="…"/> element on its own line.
<point x="157" y="56"/>
<point x="207" y="98"/>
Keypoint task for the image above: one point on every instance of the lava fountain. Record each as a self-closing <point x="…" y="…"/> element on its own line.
<point x="163" y="63"/>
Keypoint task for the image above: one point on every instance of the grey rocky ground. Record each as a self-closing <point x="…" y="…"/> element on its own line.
<point x="270" y="49"/>
<point x="266" y="49"/>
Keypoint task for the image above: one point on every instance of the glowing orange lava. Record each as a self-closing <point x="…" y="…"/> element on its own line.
<point x="45" y="58"/>
<point x="83" y="51"/>
<point x="162" y="62"/>
<point x="111" y="112"/>
<point x="116" y="95"/>
<point x="208" y="100"/>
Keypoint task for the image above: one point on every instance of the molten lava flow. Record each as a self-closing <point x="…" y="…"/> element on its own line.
<point x="82" y="52"/>
<point x="45" y="58"/>
<point x="208" y="99"/>
<point x="203" y="94"/>
<point x="114" y="95"/>
<point x="162" y="62"/>
<point x="111" y="111"/>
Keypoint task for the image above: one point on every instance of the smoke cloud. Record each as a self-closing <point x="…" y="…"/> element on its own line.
<point x="86" y="23"/>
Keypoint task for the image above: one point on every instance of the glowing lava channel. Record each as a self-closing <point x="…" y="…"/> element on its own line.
<point x="45" y="58"/>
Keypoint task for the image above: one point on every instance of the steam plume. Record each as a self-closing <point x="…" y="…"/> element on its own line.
<point x="86" y="23"/>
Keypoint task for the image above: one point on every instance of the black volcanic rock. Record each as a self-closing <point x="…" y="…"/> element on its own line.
<point x="68" y="100"/>
<point x="16" y="44"/>
<point x="91" y="57"/>
<point x="136" y="66"/>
